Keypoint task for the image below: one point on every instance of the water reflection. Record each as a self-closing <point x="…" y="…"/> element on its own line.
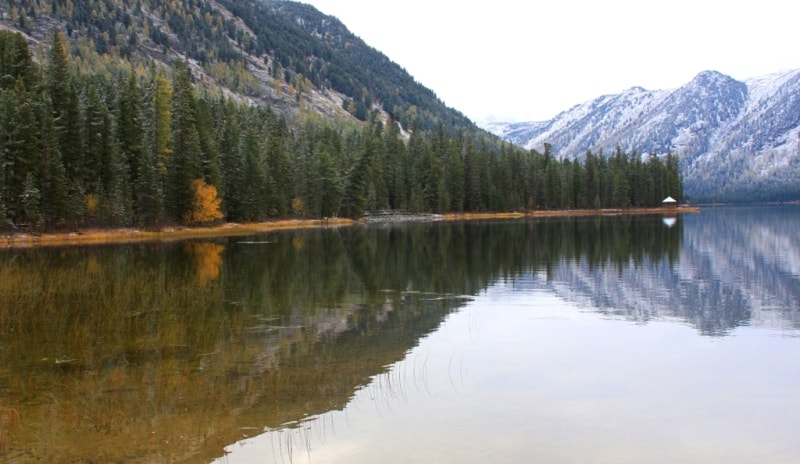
<point x="736" y="266"/>
<point x="208" y="260"/>
<point x="170" y="352"/>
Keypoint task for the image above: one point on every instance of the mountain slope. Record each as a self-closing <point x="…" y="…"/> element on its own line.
<point x="280" y="53"/>
<point x="737" y="141"/>
<point x="354" y="65"/>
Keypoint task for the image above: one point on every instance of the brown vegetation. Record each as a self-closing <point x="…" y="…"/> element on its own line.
<point x="128" y="235"/>
<point x="22" y="240"/>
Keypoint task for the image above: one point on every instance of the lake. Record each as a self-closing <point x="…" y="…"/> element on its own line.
<point x="594" y="339"/>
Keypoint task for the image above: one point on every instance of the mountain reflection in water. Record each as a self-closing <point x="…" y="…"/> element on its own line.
<point x="171" y="352"/>
<point x="736" y="266"/>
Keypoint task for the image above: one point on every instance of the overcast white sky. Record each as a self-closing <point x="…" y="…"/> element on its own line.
<point x="512" y="60"/>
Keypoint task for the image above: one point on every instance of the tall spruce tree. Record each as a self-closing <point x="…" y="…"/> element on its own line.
<point x="149" y="171"/>
<point x="66" y="118"/>
<point x="16" y="61"/>
<point x="56" y="207"/>
<point x="129" y="135"/>
<point x="393" y="161"/>
<point x="232" y="164"/>
<point x="185" y="159"/>
<point x="209" y="147"/>
<point x="277" y="163"/>
<point x="19" y="145"/>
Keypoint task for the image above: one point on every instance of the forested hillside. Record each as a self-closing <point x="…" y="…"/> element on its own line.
<point x="96" y="133"/>
<point x="285" y="54"/>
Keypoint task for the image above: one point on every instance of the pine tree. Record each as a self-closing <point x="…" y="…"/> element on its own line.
<point x="31" y="201"/>
<point x="184" y="163"/>
<point x="252" y="198"/>
<point x="277" y="163"/>
<point x="330" y="187"/>
<point x="98" y="141"/>
<point x="655" y="181"/>
<point x="149" y="170"/>
<point x="472" y="178"/>
<point x="673" y="182"/>
<point x="232" y="162"/>
<point x="418" y="168"/>
<point x="129" y="135"/>
<point x="162" y="116"/>
<point x="392" y="164"/>
<point x="377" y="188"/>
<point x="52" y="182"/>
<point x="456" y="173"/>
<point x="567" y="189"/>
<point x="618" y="175"/>
<point x="209" y="148"/>
<point x="16" y="62"/>
<point x="66" y="116"/>
<point x="19" y="144"/>
<point x="17" y="124"/>
<point x="578" y="185"/>
<point x="592" y="181"/>
<point x="356" y="192"/>
<point x="303" y="178"/>
<point x="620" y="196"/>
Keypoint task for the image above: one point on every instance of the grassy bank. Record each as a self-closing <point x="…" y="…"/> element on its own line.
<point x="129" y="235"/>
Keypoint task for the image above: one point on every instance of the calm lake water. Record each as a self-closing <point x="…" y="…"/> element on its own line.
<point x="592" y="340"/>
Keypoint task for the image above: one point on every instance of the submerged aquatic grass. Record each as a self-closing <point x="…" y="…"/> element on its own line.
<point x="153" y="346"/>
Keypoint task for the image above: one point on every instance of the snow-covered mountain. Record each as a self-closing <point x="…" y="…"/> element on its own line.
<point x="736" y="140"/>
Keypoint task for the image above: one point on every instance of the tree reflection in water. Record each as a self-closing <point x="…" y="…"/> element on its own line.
<point x="169" y="352"/>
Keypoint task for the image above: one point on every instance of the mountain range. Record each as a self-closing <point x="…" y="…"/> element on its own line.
<point x="737" y="141"/>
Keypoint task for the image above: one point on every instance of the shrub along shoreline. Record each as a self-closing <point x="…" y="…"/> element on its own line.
<point x="132" y="235"/>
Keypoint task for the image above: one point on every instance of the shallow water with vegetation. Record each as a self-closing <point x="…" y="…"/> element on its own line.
<point x="591" y="339"/>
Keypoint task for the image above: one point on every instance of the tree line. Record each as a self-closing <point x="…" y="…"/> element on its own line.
<point x="141" y="145"/>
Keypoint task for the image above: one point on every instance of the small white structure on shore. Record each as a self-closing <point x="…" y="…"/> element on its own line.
<point x="669" y="202"/>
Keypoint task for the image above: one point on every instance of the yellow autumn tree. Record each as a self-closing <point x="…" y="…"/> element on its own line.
<point x="298" y="206"/>
<point x="205" y="206"/>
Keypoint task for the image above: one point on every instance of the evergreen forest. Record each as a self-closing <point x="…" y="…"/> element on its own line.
<point x="128" y="143"/>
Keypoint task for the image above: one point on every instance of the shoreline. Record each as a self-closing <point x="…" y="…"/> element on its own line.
<point x="572" y="213"/>
<point x="168" y="234"/>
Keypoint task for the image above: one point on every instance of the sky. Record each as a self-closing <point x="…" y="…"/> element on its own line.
<point x="514" y="61"/>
